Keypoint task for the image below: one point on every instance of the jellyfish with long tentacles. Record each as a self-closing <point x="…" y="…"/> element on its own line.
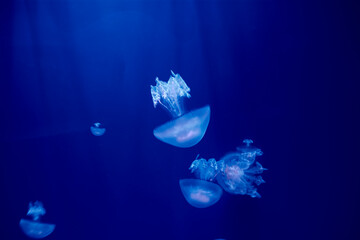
<point x="239" y="172"/>
<point x="34" y="228"/>
<point x="202" y="192"/>
<point x="186" y="129"/>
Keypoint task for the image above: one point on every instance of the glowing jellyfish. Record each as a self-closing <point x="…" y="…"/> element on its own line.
<point x="249" y="151"/>
<point x="97" y="129"/>
<point x="202" y="193"/>
<point x="239" y="172"/>
<point x="34" y="228"/>
<point x="186" y="129"/>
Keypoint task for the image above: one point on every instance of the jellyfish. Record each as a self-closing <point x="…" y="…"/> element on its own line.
<point x="34" y="228"/>
<point x="97" y="129"/>
<point x="239" y="173"/>
<point x="186" y="129"/>
<point x="202" y="192"/>
<point x="249" y="151"/>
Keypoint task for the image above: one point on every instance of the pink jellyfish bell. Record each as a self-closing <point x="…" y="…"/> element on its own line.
<point x="199" y="193"/>
<point x="202" y="193"/>
<point x="34" y="228"/>
<point x="186" y="129"/>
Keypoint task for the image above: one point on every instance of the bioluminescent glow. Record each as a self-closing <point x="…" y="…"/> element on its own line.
<point x="170" y="94"/>
<point x="34" y="228"/>
<point x="239" y="172"/>
<point x="36" y="210"/>
<point x="199" y="193"/>
<point x="186" y="129"/>
<point x="97" y="129"/>
<point x="204" y="169"/>
<point x="249" y="151"/>
<point x="202" y="193"/>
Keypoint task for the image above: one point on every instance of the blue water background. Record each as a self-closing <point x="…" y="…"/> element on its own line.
<point x="282" y="73"/>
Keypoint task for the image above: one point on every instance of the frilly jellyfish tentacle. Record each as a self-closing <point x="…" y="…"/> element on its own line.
<point x="36" y="210"/>
<point x="169" y="94"/>
<point x="256" y="169"/>
<point x="205" y="170"/>
<point x="259" y="180"/>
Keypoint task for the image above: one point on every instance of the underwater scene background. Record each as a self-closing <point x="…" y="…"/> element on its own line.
<point x="282" y="73"/>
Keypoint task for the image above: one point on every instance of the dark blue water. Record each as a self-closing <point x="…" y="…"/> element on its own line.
<point x="282" y="73"/>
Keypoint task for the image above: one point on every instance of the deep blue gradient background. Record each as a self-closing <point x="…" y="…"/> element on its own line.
<point x="282" y="73"/>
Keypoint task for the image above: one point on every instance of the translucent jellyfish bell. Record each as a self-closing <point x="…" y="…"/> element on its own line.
<point x="202" y="193"/>
<point x="97" y="129"/>
<point x="199" y="193"/>
<point x="34" y="228"/>
<point x="186" y="129"/>
<point x="240" y="173"/>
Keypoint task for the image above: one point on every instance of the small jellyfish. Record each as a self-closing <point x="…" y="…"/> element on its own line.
<point x="249" y="151"/>
<point x="186" y="129"/>
<point x="34" y="228"/>
<point x="202" y="193"/>
<point x="97" y="129"/>
<point x="239" y="172"/>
